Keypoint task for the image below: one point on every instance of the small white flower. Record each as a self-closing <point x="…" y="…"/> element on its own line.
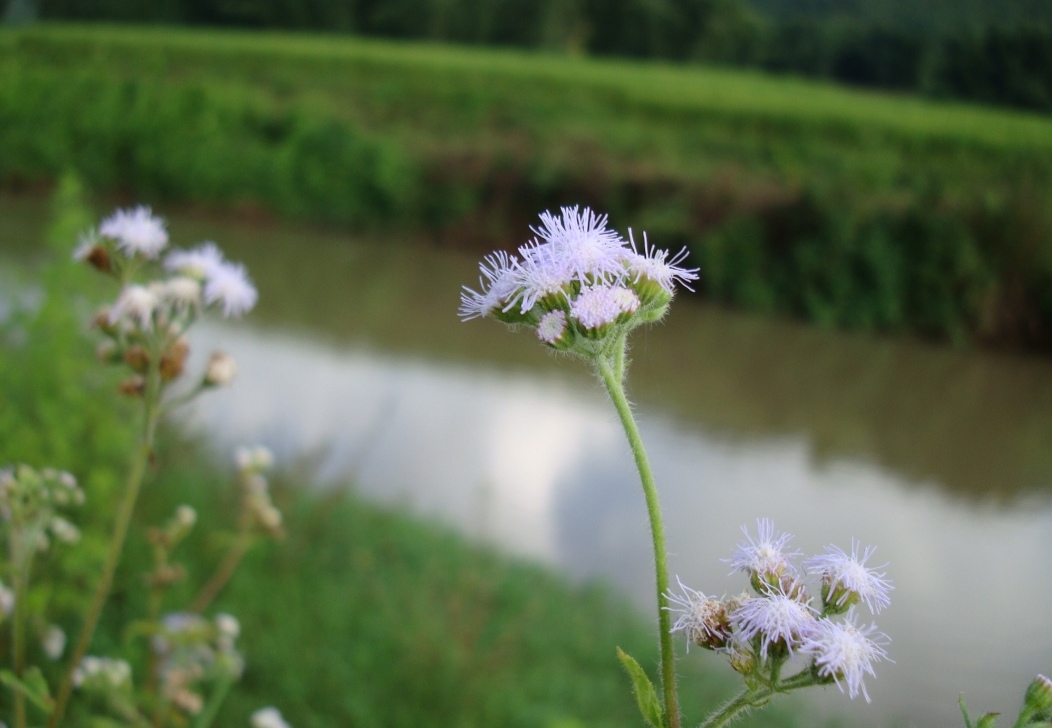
<point x="598" y="306"/>
<point x="198" y="263"/>
<point x="846" y="577"/>
<point x="64" y="531"/>
<point x="846" y="652"/>
<point x="228" y="625"/>
<point x="185" y="516"/>
<point x="136" y="231"/>
<point x="182" y="292"/>
<point x="551" y="327"/>
<point x="54" y="642"/>
<point x="701" y="619"/>
<point x="268" y="718"/>
<point x="102" y="672"/>
<point x="221" y="370"/>
<point x="136" y="304"/>
<point x="228" y="285"/>
<point x="764" y="555"/>
<point x="776" y="618"/>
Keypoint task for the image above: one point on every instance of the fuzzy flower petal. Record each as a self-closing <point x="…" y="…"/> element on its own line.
<point x="137" y="231"/>
<point x="846" y="576"/>
<point x="777" y="619"/>
<point x="701" y="619"/>
<point x="199" y="262"/>
<point x="598" y="306"/>
<point x="846" y="652"/>
<point x="136" y="304"/>
<point x="229" y="287"/>
<point x="764" y="555"/>
<point x="497" y="287"/>
<point x="655" y="265"/>
<point x="580" y="242"/>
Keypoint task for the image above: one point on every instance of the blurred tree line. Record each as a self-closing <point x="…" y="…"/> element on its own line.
<point x="990" y="52"/>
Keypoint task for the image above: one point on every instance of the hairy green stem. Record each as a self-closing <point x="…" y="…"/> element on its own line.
<point x="126" y="509"/>
<point x="612" y="373"/>
<point x="749" y="698"/>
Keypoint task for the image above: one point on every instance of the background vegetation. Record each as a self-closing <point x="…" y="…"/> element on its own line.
<point x="993" y="52"/>
<point x="795" y="198"/>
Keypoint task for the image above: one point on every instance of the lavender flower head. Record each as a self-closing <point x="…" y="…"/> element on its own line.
<point x="599" y="284"/>
<point x="760" y="633"/>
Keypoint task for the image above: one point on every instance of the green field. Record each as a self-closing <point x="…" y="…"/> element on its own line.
<point x="852" y="209"/>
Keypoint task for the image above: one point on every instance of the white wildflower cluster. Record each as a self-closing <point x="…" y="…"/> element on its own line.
<point x="268" y="717"/>
<point x="781" y="621"/>
<point x="577" y="283"/>
<point x="30" y="504"/>
<point x="147" y="323"/>
<point x="102" y="674"/>
<point x="257" y="504"/>
<point x="193" y="651"/>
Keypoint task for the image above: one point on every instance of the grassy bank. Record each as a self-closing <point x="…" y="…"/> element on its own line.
<point x="851" y="209"/>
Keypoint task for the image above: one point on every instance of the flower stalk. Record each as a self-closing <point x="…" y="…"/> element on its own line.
<point x="136" y="473"/>
<point x="612" y="373"/>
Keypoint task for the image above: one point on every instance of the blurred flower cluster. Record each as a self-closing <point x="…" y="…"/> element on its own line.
<point x="189" y="660"/>
<point x="782" y="620"/>
<point x="148" y="321"/>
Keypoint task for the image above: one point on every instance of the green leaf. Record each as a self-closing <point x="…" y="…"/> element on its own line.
<point x="646" y="695"/>
<point x="32" y="685"/>
<point x="987" y="721"/>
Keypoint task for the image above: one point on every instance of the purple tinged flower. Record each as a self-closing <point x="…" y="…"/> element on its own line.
<point x="764" y="556"/>
<point x="197" y="262"/>
<point x="580" y="242"/>
<point x="776" y="618"/>
<point x="845" y="652"/>
<point x="552" y="327"/>
<point x="846" y="579"/>
<point x="136" y="231"/>
<point x="228" y="285"/>
<point x="599" y="306"/>
<point x="655" y="265"/>
<point x="542" y="273"/>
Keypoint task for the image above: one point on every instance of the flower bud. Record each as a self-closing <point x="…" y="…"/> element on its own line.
<point x="136" y="357"/>
<point x="173" y="361"/>
<point x="1038" y="700"/>
<point x="134" y="386"/>
<point x="221" y="370"/>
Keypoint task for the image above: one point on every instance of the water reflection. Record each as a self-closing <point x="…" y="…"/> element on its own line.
<point x="536" y="463"/>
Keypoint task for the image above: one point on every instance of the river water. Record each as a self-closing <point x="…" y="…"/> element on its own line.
<point x="356" y="366"/>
